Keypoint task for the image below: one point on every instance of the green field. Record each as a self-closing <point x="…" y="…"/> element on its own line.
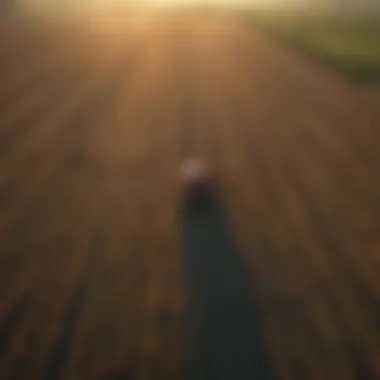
<point x="348" y="42"/>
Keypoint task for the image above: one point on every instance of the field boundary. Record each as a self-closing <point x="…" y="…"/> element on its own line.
<point x="366" y="73"/>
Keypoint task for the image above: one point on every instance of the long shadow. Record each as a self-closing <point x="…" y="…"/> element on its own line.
<point x="225" y="339"/>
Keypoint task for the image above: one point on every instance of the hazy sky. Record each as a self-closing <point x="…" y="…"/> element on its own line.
<point x="54" y="3"/>
<point x="185" y="2"/>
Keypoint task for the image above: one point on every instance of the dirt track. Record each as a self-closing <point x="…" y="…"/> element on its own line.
<point x="94" y="120"/>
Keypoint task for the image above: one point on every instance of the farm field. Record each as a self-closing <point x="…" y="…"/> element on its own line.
<point x="95" y="116"/>
<point x="344" y="40"/>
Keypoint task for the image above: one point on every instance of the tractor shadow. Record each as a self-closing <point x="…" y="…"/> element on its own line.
<point x="224" y="339"/>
